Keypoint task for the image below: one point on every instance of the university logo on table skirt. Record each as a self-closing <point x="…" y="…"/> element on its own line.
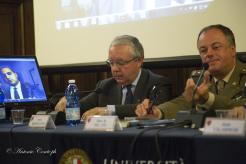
<point x="75" y="156"/>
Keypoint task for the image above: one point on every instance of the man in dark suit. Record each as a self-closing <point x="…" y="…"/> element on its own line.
<point x="223" y="84"/>
<point x="15" y="89"/>
<point x="111" y="96"/>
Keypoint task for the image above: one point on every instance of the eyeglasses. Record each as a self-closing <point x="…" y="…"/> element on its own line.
<point x="119" y="63"/>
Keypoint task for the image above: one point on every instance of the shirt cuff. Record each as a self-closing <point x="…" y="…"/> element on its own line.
<point x="208" y="103"/>
<point x="111" y="109"/>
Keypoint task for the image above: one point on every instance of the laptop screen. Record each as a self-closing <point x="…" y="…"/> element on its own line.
<point x="20" y="80"/>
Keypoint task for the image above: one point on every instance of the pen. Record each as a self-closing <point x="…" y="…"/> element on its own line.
<point x="153" y="99"/>
<point x="149" y="110"/>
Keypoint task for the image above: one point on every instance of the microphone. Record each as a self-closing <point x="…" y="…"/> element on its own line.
<point x="196" y="117"/>
<point x="198" y="82"/>
<point x="98" y="90"/>
<point x="103" y="88"/>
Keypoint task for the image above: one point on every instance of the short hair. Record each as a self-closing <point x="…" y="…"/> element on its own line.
<point x="133" y="42"/>
<point x="225" y="30"/>
<point x="5" y="66"/>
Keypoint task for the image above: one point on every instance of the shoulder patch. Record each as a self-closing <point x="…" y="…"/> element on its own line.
<point x="243" y="71"/>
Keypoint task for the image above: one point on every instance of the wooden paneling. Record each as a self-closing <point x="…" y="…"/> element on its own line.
<point x="9" y="26"/>
<point x="16" y="27"/>
<point x="28" y="28"/>
<point x="86" y="81"/>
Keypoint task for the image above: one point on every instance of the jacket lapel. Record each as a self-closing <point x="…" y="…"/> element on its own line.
<point x="118" y="94"/>
<point x="141" y="86"/>
<point x="233" y="85"/>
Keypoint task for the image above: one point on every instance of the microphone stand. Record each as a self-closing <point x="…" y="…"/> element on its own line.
<point x="193" y="106"/>
<point x="196" y="117"/>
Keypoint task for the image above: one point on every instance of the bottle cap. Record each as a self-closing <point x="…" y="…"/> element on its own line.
<point x="71" y="81"/>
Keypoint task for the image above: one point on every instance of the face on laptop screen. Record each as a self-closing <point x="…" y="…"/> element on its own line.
<point x="20" y="80"/>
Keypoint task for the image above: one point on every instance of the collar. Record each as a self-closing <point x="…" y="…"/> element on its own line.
<point x="134" y="83"/>
<point x="16" y="86"/>
<point x="227" y="77"/>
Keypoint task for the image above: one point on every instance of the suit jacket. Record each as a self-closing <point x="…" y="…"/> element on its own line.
<point x="231" y="96"/>
<point x="26" y="90"/>
<point x="109" y="92"/>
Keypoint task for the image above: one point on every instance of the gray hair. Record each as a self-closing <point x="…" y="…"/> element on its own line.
<point x="136" y="47"/>
<point x="225" y="30"/>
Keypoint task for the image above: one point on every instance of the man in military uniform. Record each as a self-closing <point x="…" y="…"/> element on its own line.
<point x="223" y="81"/>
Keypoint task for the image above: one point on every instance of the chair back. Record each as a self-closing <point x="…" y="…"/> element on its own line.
<point x="241" y="56"/>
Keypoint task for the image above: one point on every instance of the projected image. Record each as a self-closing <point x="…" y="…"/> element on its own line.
<point x="20" y="80"/>
<point x="82" y="13"/>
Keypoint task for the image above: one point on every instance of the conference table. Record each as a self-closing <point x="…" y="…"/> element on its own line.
<point x="65" y="144"/>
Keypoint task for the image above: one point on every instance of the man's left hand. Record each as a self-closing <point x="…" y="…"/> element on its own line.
<point x="201" y="94"/>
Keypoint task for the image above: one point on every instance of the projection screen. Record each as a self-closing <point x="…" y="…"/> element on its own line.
<point x="80" y="31"/>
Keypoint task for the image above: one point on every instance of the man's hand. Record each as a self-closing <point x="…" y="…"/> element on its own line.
<point x="142" y="108"/>
<point x="201" y="93"/>
<point x="61" y="105"/>
<point x="238" y="112"/>
<point x="94" y="111"/>
<point x="189" y="88"/>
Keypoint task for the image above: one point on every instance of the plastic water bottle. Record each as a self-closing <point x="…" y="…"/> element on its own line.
<point x="2" y="108"/>
<point x="72" y="106"/>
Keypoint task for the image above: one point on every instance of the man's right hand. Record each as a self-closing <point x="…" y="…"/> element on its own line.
<point x="142" y="109"/>
<point x="61" y="105"/>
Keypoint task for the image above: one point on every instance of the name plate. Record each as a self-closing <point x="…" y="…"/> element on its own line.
<point x="103" y="123"/>
<point x="41" y="121"/>
<point x="218" y="126"/>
